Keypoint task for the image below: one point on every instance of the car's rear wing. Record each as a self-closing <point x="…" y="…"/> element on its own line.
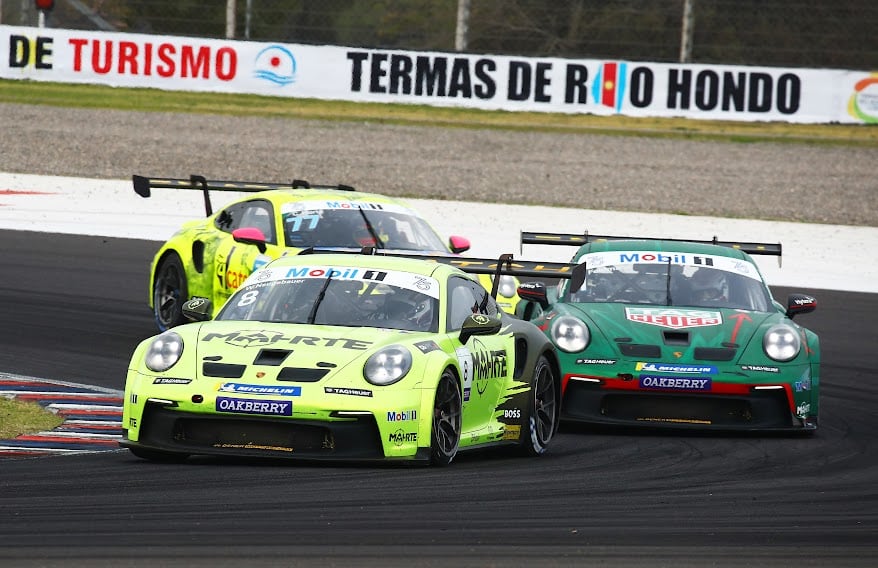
<point x="504" y="265"/>
<point x="572" y="239"/>
<point x="143" y="185"/>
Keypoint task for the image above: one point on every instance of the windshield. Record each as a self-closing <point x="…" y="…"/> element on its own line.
<point x="671" y="279"/>
<point x="337" y="295"/>
<point x="355" y="225"/>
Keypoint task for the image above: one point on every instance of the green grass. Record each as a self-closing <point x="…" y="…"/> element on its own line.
<point x="153" y="100"/>
<point x="18" y="417"/>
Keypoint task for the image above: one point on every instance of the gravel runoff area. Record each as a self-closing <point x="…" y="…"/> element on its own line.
<point x="773" y="181"/>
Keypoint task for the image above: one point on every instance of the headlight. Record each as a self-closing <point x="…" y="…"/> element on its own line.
<point x="164" y="351"/>
<point x="387" y="366"/>
<point x="507" y="286"/>
<point x="781" y="342"/>
<point x="570" y="334"/>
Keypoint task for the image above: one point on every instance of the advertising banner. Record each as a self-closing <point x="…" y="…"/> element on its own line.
<point x="490" y="82"/>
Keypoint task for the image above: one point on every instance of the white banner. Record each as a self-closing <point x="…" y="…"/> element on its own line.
<point x="586" y="86"/>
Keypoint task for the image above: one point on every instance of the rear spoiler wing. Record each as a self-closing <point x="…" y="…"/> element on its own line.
<point x="143" y="185"/>
<point x="572" y="239"/>
<point x="504" y="265"/>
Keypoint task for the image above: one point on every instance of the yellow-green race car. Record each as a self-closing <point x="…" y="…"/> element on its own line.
<point x="348" y="357"/>
<point x="208" y="258"/>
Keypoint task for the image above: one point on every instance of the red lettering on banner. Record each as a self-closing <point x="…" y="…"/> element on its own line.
<point x="164" y="59"/>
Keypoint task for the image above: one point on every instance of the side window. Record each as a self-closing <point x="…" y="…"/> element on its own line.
<point x="256" y="214"/>
<point x="465" y="298"/>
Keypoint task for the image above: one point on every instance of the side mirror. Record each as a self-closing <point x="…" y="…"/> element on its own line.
<point x="534" y="292"/>
<point x="250" y="236"/>
<point x="800" y="304"/>
<point x="479" y="324"/>
<point x="458" y="244"/>
<point x="198" y="309"/>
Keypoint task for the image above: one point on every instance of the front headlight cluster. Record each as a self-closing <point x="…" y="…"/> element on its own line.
<point x="164" y="352"/>
<point x="570" y="334"/>
<point x="388" y="366"/>
<point x="781" y="342"/>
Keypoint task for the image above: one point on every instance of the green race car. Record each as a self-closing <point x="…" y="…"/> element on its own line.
<point x="348" y="357"/>
<point x="206" y="257"/>
<point x="676" y="333"/>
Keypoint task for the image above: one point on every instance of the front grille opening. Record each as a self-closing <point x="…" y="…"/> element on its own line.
<point x="223" y="370"/>
<point x="676" y="337"/>
<point x="245" y="434"/>
<point x="715" y="353"/>
<point x="301" y="374"/>
<point x="640" y="350"/>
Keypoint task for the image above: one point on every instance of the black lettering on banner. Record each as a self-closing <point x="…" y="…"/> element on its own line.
<point x="789" y="93"/>
<point x="430" y="76"/>
<point x="641" y="86"/>
<point x="706" y="90"/>
<point x="542" y="81"/>
<point x="576" y="84"/>
<point x="401" y="74"/>
<point x="518" y="88"/>
<point x="485" y="87"/>
<point x="20" y="51"/>
<point x="759" y="95"/>
<point x="734" y="91"/>
<point x="376" y="72"/>
<point x="460" y="84"/>
<point x="357" y="58"/>
<point x="679" y="85"/>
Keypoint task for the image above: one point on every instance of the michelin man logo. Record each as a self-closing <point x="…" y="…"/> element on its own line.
<point x="276" y="63"/>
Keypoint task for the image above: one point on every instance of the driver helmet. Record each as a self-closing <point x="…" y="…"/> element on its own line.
<point x="709" y="285"/>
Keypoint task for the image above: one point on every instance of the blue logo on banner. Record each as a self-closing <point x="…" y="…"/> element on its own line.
<point x="261" y="389"/>
<point x="276" y="63"/>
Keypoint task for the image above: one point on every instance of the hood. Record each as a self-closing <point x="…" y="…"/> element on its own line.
<point x="638" y="331"/>
<point x="307" y="353"/>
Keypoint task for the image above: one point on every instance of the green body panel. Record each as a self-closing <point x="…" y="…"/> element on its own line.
<point x="677" y="332"/>
<point x="494" y="399"/>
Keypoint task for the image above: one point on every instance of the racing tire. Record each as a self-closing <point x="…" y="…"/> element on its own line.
<point x="157" y="456"/>
<point x="543" y="417"/>
<point x="169" y="291"/>
<point x="447" y="408"/>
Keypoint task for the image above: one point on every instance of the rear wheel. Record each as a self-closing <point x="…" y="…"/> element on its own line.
<point x="169" y="292"/>
<point x="542" y="419"/>
<point x="445" y="437"/>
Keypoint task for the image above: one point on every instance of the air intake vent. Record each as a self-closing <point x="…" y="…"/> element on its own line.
<point x="640" y="350"/>
<point x="676" y="337"/>
<point x="223" y="370"/>
<point x="301" y="375"/>
<point x="271" y="357"/>
<point x="714" y="353"/>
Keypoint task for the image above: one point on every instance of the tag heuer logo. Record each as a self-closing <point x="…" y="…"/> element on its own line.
<point x="674" y="319"/>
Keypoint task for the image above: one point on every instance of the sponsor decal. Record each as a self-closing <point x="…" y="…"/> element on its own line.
<point x="258" y="338"/>
<point x="253" y="406"/>
<point x="675" y="368"/>
<point x="675" y="383"/>
<point x="261" y="389"/>
<point x="252" y="446"/>
<point x="347" y="391"/>
<point x="595" y="361"/>
<point x="465" y="360"/>
<point x="760" y="368"/>
<point x="401" y="437"/>
<point x="804" y="383"/>
<point x="394" y="416"/>
<point x="512" y="413"/>
<point x="487" y="364"/>
<point x="427" y="346"/>
<point x="170" y="381"/>
<point x="512" y="432"/>
<point x="803" y="409"/>
<point x="674" y="319"/>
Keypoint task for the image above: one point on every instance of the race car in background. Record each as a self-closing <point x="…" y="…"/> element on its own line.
<point x="212" y="256"/>
<point x="348" y="357"/>
<point x="676" y="333"/>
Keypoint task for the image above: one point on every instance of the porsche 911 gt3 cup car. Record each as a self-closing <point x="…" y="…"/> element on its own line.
<point x="677" y="333"/>
<point x="206" y="258"/>
<point x="347" y="357"/>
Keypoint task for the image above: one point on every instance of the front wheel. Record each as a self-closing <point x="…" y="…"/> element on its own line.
<point x="445" y="437"/>
<point x="169" y="292"/>
<point x="542" y="419"/>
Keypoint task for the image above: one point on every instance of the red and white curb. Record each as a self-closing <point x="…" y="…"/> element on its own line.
<point x="92" y="417"/>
